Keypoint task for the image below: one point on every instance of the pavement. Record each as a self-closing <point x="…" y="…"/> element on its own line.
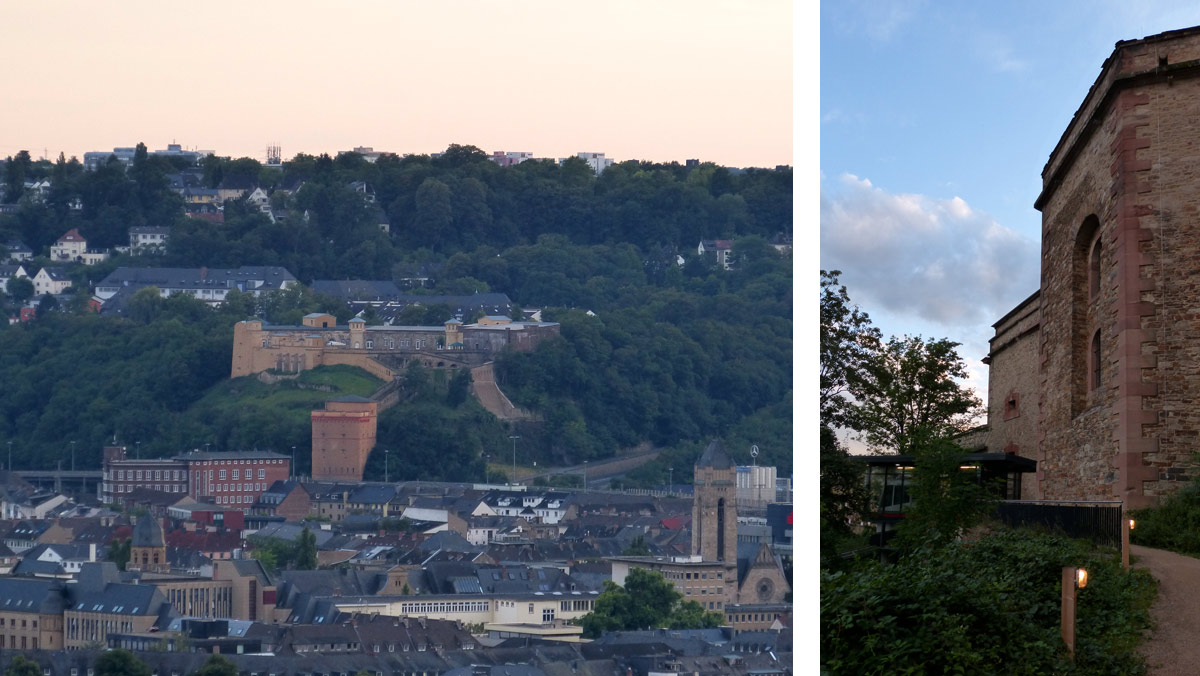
<point x="1173" y="646"/>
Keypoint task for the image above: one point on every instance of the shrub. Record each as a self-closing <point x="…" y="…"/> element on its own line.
<point x="987" y="607"/>
<point x="1173" y="525"/>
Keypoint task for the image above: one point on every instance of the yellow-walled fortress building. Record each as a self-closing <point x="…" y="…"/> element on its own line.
<point x="382" y="350"/>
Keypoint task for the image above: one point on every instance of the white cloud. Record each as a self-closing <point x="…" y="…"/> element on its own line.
<point x="937" y="261"/>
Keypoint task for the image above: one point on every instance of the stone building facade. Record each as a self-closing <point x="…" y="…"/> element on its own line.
<point x="381" y="350"/>
<point x="1014" y="389"/>
<point x="1118" y="332"/>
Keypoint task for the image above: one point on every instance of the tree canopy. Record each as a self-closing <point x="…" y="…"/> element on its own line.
<point x="120" y="663"/>
<point x="658" y="346"/>
<point x="647" y="601"/>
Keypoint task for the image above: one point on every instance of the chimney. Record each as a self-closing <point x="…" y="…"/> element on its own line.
<point x="203" y="272"/>
<point x="92" y="552"/>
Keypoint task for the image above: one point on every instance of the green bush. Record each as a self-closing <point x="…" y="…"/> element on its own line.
<point x="986" y="607"/>
<point x="1173" y="525"/>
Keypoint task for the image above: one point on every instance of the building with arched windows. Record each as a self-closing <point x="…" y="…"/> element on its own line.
<point x="1097" y="375"/>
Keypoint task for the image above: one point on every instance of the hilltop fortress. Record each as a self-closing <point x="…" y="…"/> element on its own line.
<point x="1097" y="374"/>
<point x="382" y="350"/>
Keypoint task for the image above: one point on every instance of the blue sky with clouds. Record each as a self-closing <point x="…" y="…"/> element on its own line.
<point x="936" y="119"/>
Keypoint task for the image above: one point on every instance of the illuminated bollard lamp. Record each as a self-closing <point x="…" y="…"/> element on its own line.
<point x="1126" y="526"/>
<point x="1073" y="579"/>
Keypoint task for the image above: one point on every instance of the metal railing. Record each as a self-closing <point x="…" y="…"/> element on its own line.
<point x="1095" y="520"/>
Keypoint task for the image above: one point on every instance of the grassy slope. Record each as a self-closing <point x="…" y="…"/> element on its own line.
<point x="292" y="394"/>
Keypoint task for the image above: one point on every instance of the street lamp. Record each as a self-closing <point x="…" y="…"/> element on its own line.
<point x="487" y="459"/>
<point x="585" y="475"/>
<point x="385" y="465"/>
<point x="670" y="480"/>
<point x="514" y="440"/>
<point x="72" y="456"/>
<point x="137" y="449"/>
<point x="10" y="467"/>
<point x="293" y="468"/>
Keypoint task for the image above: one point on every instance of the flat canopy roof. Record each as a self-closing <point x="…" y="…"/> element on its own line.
<point x="1006" y="461"/>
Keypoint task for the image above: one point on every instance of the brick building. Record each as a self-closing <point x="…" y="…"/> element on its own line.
<point x="343" y="435"/>
<point x="1116" y="374"/>
<point x="122" y="475"/>
<point x="234" y="478"/>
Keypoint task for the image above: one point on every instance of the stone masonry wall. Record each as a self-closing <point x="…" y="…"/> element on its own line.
<point x="1013" y="385"/>
<point x="1132" y="165"/>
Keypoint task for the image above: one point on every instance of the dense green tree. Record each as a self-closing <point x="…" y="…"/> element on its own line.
<point x="848" y="341"/>
<point x="459" y="388"/>
<point x="120" y="663"/>
<point x="20" y="289"/>
<point x="46" y="304"/>
<point x="16" y="169"/>
<point x="637" y="548"/>
<point x="216" y="665"/>
<point x="22" y="666"/>
<point x="119" y="552"/>
<point x="910" y="394"/>
<point x="306" y="550"/>
<point x="646" y="601"/>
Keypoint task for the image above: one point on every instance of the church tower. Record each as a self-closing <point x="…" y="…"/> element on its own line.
<point x="148" y="550"/>
<point x="714" y="506"/>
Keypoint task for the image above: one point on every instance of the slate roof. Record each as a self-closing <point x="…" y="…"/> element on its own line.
<point x="199" y="278"/>
<point x="148" y="533"/>
<point x="230" y="455"/>
<point x="357" y="289"/>
<point x="714" y="456"/>
<point x="149" y="230"/>
<point x="32" y="596"/>
<point x="30" y="566"/>
<point x="291" y="533"/>
<point x="119" y="598"/>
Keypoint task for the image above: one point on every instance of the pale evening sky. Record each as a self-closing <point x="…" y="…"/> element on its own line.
<point x="666" y="80"/>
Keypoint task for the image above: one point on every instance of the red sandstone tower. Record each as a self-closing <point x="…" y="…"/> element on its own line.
<point x="342" y="437"/>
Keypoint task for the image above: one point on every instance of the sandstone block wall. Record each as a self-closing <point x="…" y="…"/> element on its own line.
<point x="1013" y="387"/>
<point x="1127" y="164"/>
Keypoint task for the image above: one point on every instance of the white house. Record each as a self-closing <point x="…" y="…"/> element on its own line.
<point x="69" y="248"/>
<point x="51" y="280"/>
<point x="72" y="248"/>
<point x="148" y="239"/>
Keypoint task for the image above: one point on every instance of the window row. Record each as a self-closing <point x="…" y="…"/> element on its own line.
<point x="158" y="474"/>
<point x="446" y="607"/>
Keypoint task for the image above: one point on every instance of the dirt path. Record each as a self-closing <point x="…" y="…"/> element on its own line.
<point x="1174" y="645"/>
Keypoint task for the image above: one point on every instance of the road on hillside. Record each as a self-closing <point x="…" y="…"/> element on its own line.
<point x="1173" y="646"/>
